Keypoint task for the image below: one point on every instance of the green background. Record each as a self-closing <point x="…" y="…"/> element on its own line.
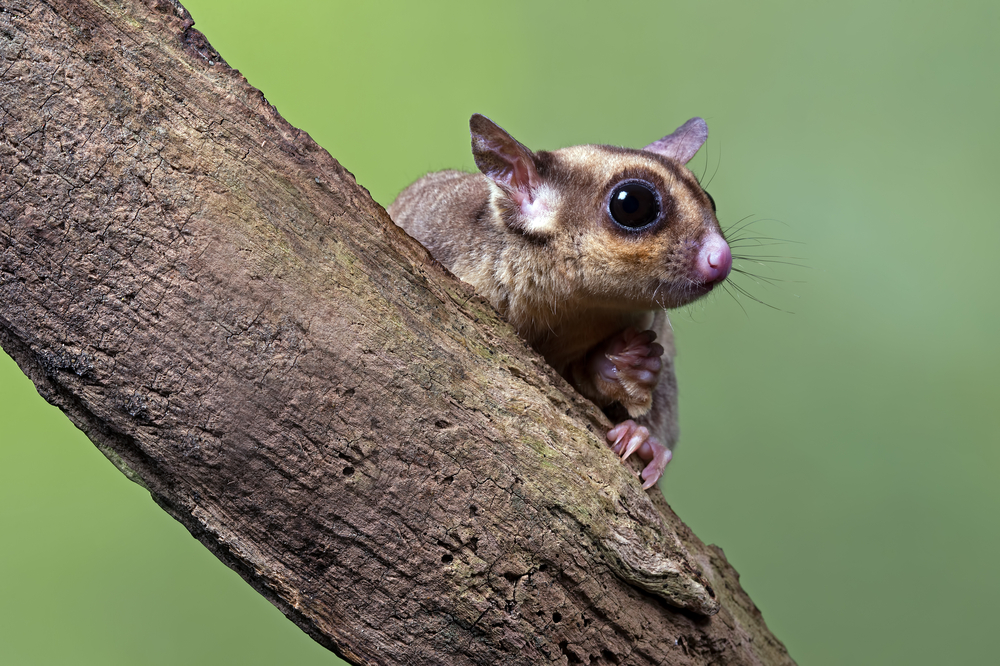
<point x="841" y="448"/>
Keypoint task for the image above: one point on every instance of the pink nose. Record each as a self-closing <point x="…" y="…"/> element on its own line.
<point x="715" y="260"/>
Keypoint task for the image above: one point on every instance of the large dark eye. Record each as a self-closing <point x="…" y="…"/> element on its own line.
<point x="634" y="204"/>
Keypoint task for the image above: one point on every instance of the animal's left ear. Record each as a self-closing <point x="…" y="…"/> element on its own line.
<point x="504" y="159"/>
<point x="683" y="143"/>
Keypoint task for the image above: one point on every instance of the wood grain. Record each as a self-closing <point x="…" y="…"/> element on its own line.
<point x="235" y="323"/>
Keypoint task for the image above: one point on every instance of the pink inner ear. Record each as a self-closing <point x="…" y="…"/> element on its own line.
<point x="683" y="143"/>
<point x="524" y="181"/>
<point x="505" y="160"/>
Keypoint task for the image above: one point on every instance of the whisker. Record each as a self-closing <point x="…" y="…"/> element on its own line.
<point x="744" y="243"/>
<point x="733" y="296"/>
<point x="738" y="236"/>
<point x="766" y="261"/>
<point x="754" y="298"/>
<point x="704" y="168"/>
<point x="732" y="228"/>
<point x="744" y="271"/>
<point x="768" y="256"/>
<point x="772" y="281"/>
<point x="753" y="245"/>
<point x="717" y="165"/>
<point x="759" y="241"/>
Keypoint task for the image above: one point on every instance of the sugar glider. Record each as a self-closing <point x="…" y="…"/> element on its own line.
<point x="582" y="249"/>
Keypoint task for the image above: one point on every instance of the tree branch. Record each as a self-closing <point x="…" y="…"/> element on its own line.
<point x="240" y="329"/>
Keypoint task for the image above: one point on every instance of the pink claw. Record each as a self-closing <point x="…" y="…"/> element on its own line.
<point x="638" y="439"/>
<point x="654" y="470"/>
<point x="628" y="437"/>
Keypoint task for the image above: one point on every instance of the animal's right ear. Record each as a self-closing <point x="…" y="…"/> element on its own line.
<point x="504" y="159"/>
<point x="683" y="143"/>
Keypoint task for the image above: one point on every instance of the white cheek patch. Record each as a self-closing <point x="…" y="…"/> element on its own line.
<point x="535" y="215"/>
<point x="539" y="214"/>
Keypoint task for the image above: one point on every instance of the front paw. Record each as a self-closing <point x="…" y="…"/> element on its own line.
<point x="628" y="437"/>
<point x="626" y="368"/>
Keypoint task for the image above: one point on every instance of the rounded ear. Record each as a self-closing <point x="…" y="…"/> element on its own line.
<point x="505" y="160"/>
<point x="683" y="143"/>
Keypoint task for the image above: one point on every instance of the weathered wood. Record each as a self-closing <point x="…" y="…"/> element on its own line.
<point x="243" y="331"/>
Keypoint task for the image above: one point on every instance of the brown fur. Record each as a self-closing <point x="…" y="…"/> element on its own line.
<point x="565" y="275"/>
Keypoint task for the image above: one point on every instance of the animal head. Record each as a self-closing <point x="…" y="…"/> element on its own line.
<point x="616" y="227"/>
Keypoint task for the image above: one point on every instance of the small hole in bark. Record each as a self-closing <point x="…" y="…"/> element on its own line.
<point x="557" y="617"/>
<point x="441" y="423"/>
<point x="710" y="591"/>
<point x="610" y="656"/>
<point x="348" y="470"/>
<point x="511" y="577"/>
<point x="586" y="621"/>
<point x="447" y="558"/>
<point x="448" y="479"/>
<point x="473" y="510"/>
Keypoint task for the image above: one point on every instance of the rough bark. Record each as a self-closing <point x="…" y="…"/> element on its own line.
<point x="240" y="329"/>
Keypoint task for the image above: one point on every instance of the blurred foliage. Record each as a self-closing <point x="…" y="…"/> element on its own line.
<point x="839" y="439"/>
